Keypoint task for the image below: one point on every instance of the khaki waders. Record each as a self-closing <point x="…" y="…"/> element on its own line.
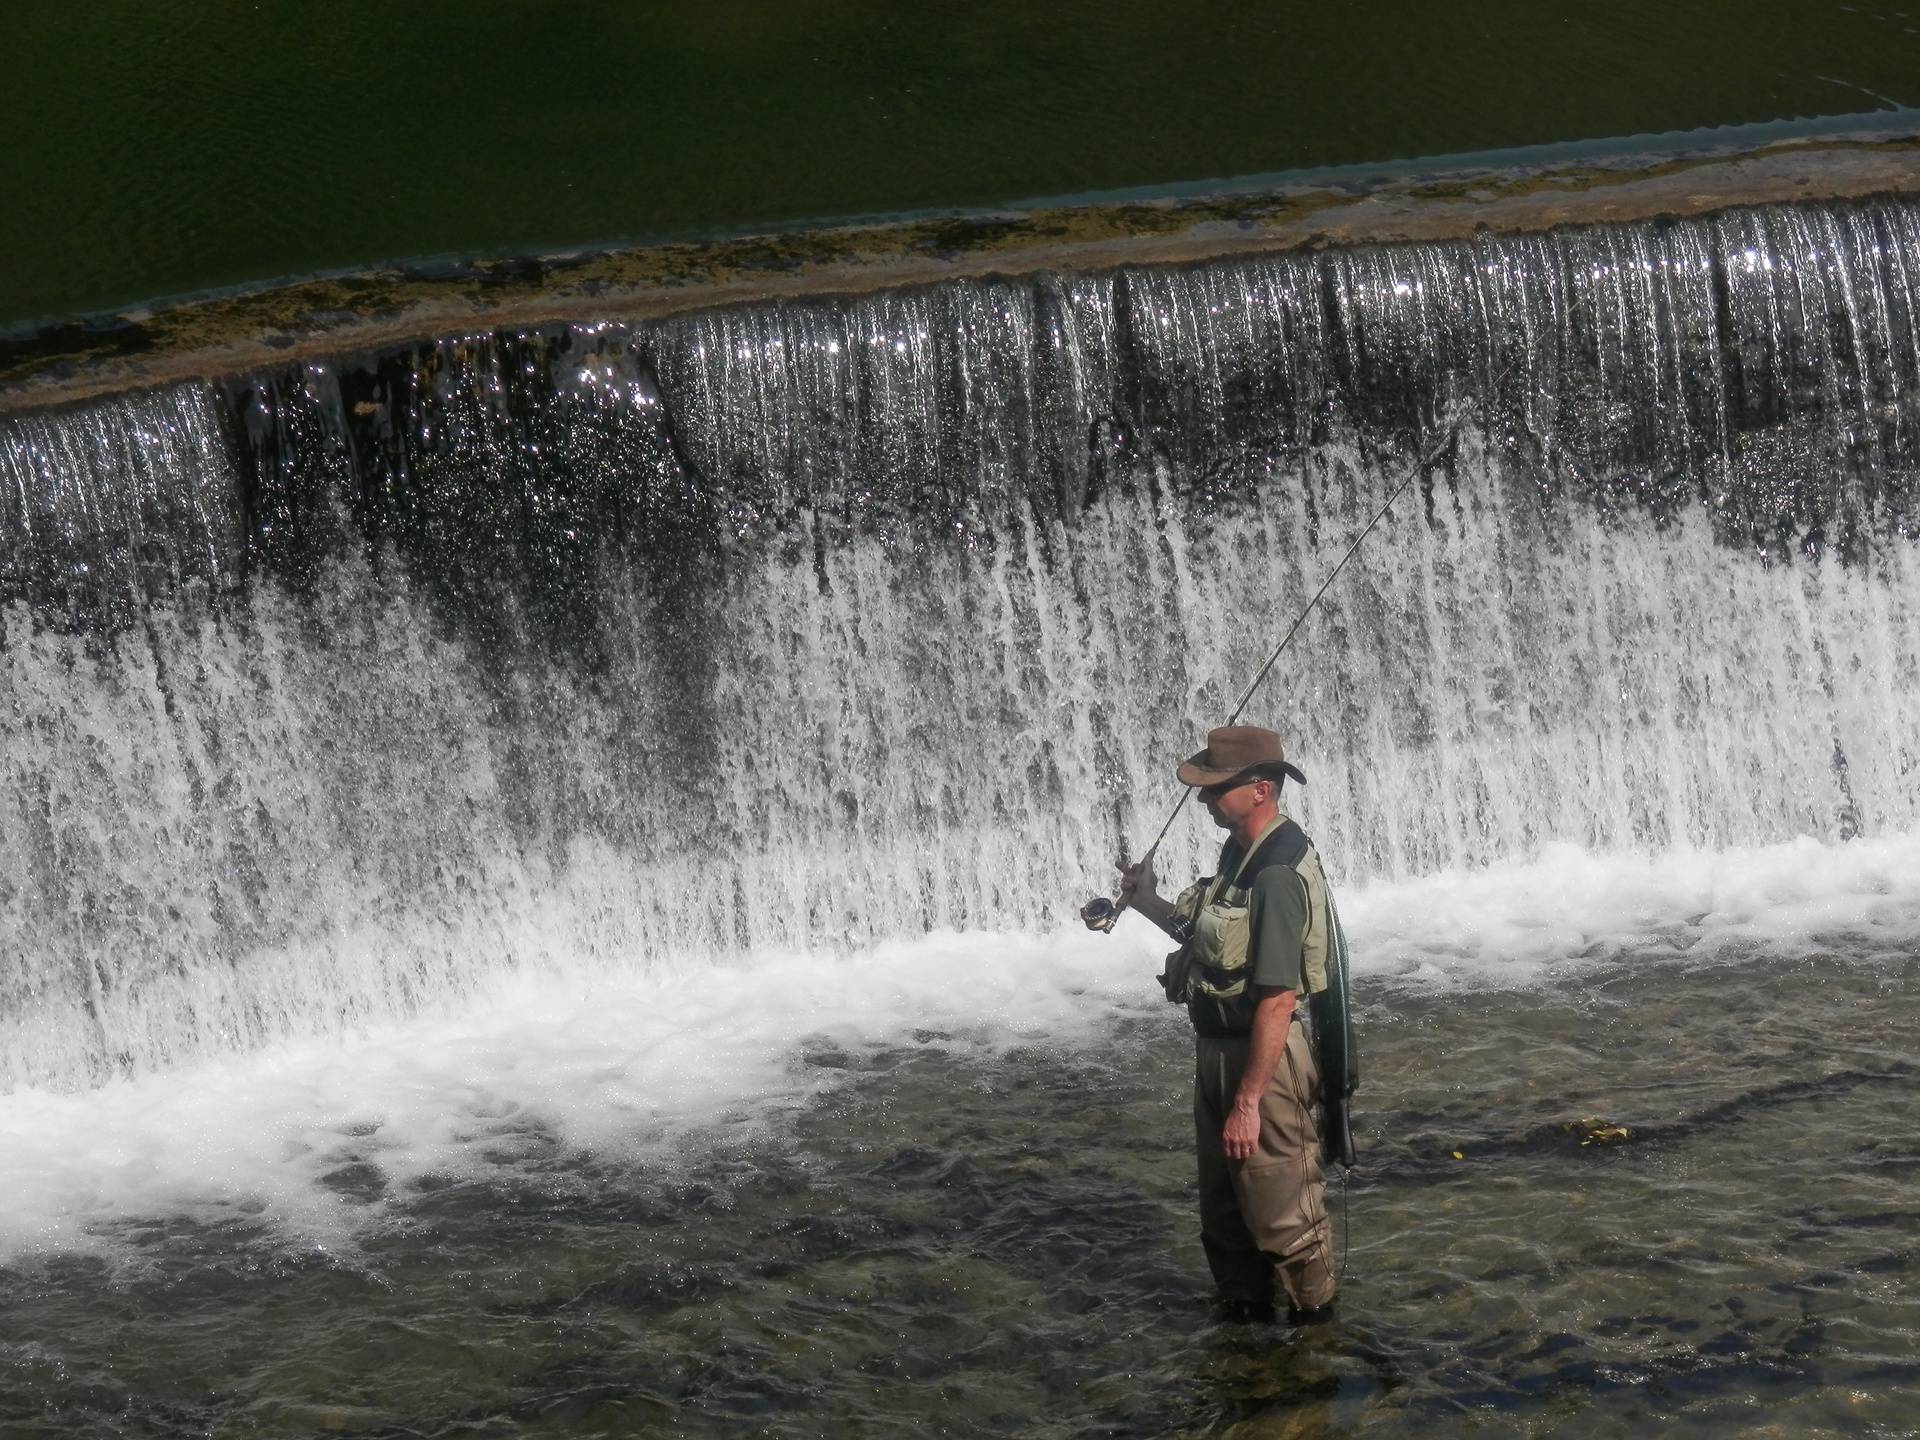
<point x="1265" y="1218"/>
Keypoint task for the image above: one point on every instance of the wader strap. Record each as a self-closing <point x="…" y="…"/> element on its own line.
<point x="1285" y="844"/>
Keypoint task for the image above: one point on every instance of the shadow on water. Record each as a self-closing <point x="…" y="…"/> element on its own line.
<point x="1001" y="1245"/>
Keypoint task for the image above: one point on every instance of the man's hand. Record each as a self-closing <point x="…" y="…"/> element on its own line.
<point x="1137" y="882"/>
<point x="1241" y="1137"/>
<point x="1139" y="891"/>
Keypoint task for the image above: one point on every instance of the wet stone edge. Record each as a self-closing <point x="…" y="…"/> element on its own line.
<point x="217" y="336"/>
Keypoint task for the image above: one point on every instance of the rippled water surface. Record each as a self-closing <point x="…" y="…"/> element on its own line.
<point x="175" y="145"/>
<point x="986" y="1241"/>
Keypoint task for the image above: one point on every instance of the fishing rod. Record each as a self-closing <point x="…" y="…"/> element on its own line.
<point x="1100" y="913"/>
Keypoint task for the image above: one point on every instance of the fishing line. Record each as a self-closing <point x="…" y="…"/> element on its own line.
<point x="1118" y="904"/>
<point x="1346" y="1221"/>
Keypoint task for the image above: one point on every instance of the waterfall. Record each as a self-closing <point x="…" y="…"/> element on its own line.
<point x="334" y="693"/>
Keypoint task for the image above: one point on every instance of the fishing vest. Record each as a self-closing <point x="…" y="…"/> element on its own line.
<point x="1209" y="973"/>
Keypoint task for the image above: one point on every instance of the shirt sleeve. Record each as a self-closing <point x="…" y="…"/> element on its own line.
<point x="1277" y="920"/>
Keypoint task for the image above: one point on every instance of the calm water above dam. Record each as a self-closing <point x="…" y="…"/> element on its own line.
<point x="155" y="148"/>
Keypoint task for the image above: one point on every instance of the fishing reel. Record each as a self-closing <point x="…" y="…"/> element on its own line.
<point x="1102" y="911"/>
<point x="1099" y="913"/>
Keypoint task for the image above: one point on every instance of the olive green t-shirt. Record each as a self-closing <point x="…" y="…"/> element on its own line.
<point x="1277" y="915"/>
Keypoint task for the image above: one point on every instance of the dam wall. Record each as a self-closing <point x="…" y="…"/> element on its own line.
<point x="338" y="689"/>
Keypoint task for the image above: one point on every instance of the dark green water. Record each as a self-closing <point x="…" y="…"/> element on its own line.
<point x="162" y="147"/>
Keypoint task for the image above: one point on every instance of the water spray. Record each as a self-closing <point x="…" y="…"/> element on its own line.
<point x="1102" y="911"/>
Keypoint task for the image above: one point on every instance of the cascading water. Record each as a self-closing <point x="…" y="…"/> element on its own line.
<point x="332" y="694"/>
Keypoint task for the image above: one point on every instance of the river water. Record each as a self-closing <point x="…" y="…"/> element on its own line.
<point x="533" y="865"/>
<point x="952" y="1191"/>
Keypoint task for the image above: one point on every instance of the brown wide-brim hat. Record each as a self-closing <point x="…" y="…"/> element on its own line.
<point x="1231" y="751"/>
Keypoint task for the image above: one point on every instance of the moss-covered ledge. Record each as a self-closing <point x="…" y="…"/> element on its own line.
<point x="310" y="319"/>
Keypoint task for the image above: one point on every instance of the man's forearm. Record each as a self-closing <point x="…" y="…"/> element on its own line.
<point x="1272" y="1016"/>
<point x="1158" y="909"/>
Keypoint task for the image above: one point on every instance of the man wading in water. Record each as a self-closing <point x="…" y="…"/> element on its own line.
<point x="1254" y="937"/>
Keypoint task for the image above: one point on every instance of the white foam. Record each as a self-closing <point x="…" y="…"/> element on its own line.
<point x="625" y="1065"/>
<point x="1519" y="924"/>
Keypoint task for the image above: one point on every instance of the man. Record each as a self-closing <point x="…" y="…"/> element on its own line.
<point x="1255" y="936"/>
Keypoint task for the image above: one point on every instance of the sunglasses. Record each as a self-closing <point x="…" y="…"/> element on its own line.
<point x="1214" y="792"/>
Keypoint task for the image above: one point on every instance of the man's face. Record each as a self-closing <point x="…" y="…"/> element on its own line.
<point x="1232" y="803"/>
